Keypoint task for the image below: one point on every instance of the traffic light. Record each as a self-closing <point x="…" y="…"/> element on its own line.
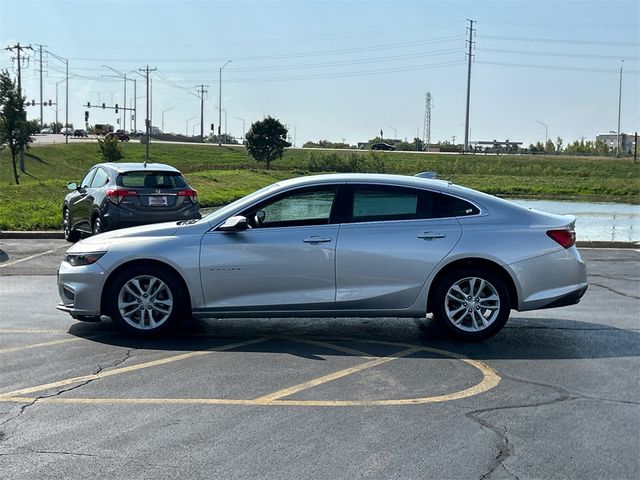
<point x="212" y="129"/>
<point x="88" y="105"/>
<point x="86" y="116"/>
<point x="50" y="103"/>
<point x="103" y="106"/>
<point x="116" y="108"/>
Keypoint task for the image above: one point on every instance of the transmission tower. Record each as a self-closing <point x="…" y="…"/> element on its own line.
<point x="426" y="132"/>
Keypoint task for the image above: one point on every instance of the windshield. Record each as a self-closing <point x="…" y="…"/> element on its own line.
<point x="240" y="203"/>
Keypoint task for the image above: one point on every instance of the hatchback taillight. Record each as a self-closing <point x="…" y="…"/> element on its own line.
<point x="565" y="237"/>
<point x="190" y="193"/>
<point x="116" y="195"/>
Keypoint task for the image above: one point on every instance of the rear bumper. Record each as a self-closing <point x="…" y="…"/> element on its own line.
<point x="552" y="280"/>
<point x="117" y="218"/>
<point x="570" y="298"/>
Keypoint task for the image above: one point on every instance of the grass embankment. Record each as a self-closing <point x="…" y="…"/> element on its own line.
<point x="222" y="174"/>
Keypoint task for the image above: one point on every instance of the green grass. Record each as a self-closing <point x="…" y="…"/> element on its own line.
<point x="223" y="174"/>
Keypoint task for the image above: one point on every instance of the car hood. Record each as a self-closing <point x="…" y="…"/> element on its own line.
<point x="101" y="242"/>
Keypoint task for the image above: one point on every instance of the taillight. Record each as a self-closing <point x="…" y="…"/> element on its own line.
<point x="116" y="195"/>
<point x="192" y="194"/>
<point x="566" y="238"/>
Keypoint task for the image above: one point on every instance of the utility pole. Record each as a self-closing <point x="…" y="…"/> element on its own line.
<point x="466" y="123"/>
<point x="66" y="96"/>
<point x="427" y="122"/>
<point x="201" y="94"/>
<point x="619" y="110"/>
<point x="220" y="105"/>
<point x="18" y="48"/>
<point x="146" y="121"/>
<point x="41" y="97"/>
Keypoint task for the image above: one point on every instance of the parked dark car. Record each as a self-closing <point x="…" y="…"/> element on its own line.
<point x="382" y="146"/>
<point x="118" y="195"/>
<point x="121" y="135"/>
<point x="80" y="133"/>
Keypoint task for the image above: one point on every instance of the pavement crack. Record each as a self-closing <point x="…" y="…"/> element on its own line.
<point x="504" y="449"/>
<point x="23" y="408"/>
<point x="627" y="295"/>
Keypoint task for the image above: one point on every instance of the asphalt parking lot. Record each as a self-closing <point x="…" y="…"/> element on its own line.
<point x="555" y="395"/>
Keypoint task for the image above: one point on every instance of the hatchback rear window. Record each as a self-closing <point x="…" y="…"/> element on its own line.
<point x="151" y="180"/>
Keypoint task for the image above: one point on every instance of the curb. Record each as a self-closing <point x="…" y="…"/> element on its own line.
<point x="58" y="235"/>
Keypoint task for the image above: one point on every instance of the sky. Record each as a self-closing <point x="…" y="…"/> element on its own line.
<point x="338" y="70"/>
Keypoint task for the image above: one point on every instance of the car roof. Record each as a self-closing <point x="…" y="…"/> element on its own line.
<point x="372" y="178"/>
<point x="138" y="167"/>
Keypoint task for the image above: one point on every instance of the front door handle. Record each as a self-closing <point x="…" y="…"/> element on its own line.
<point x="431" y="235"/>
<point x="316" y="239"/>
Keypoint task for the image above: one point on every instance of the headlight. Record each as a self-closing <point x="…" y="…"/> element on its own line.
<point x="80" y="259"/>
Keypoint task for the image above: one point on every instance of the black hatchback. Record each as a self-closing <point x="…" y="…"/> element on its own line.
<point x="118" y="195"/>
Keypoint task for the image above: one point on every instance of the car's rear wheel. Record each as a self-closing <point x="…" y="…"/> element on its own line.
<point x="471" y="304"/>
<point x="145" y="300"/>
<point x="97" y="227"/>
<point x="70" y="235"/>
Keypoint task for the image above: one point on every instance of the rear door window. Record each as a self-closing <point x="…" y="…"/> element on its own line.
<point x="155" y="180"/>
<point x="100" y="179"/>
<point x="378" y="203"/>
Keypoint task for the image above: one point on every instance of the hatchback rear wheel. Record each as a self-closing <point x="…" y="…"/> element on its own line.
<point x="70" y="235"/>
<point x="471" y="304"/>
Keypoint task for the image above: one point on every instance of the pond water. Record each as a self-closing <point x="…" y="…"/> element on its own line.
<point x="617" y="222"/>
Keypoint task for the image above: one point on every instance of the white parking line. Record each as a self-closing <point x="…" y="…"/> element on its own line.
<point x="31" y="257"/>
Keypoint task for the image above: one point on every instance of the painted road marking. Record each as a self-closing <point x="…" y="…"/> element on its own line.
<point x="489" y="380"/>
<point x="26" y="330"/>
<point x="333" y="376"/>
<point x="31" y="257"/>
<point x="37" y="345"/>
<point x="131" y="368"/>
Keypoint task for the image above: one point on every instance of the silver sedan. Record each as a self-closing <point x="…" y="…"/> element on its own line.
<point x="333" y="246"/>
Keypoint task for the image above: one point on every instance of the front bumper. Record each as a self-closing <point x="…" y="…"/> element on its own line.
<point x="80" y="289"/>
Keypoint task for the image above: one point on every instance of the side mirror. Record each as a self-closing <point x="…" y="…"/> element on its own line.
<point x="234" y="224"/>
<point x="72" y="186"/>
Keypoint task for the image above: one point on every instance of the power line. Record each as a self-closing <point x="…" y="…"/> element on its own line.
<point x="556" y="40"/>
<point x="560" y="54"/>
<point x="553" y="67"/>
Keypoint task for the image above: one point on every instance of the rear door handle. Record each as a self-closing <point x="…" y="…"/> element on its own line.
<point x="316" y="239"/>
<point x="431" y="235"/>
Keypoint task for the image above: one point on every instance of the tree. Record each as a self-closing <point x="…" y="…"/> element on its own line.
<point x="549" y="146"/>
<point x="559" y="143"/>
<point x="109" y="149"/>
<point x="15" y="131"/>
<point x="266" y="140"/>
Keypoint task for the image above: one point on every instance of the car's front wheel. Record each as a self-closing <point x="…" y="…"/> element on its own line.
<point x="70" y="235"/>
<point x="471" y="304"/>
<point x="145" y="300"/>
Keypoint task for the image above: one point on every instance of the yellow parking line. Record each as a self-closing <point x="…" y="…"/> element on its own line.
<point x="132" y="368"/>
<point x="333" y="376"/>
<point x="331" y="346"/>
<point x="37" y="345"/>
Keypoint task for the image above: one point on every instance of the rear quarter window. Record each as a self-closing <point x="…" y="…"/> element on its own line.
<point x="157" y="180"/>
<point x="446" y="206"/>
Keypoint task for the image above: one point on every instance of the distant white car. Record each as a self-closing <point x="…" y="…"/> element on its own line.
<point x="67" y="131"/>
<point x="332" y="246"/>
<point x="46" y="130"/>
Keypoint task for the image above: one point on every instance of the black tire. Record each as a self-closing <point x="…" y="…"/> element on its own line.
<point x="70" y="235"/>
<point x="96" y="225"/>
<point x="468" y="317"/>
<point x="149" y="320"/>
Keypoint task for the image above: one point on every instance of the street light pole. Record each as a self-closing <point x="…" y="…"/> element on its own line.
<point x="546" y="131"/>
<point x="243" y="125"/>
<point x="124" y="103"/>
<point x="186" y="132"/>
<point x="170" y="108"/>
<point x="220" y="104"/>
<point x="619" y="109"/>
<point x="395" y="132"/>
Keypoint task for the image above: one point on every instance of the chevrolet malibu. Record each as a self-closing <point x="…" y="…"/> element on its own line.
<point x="347" y="245"/>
